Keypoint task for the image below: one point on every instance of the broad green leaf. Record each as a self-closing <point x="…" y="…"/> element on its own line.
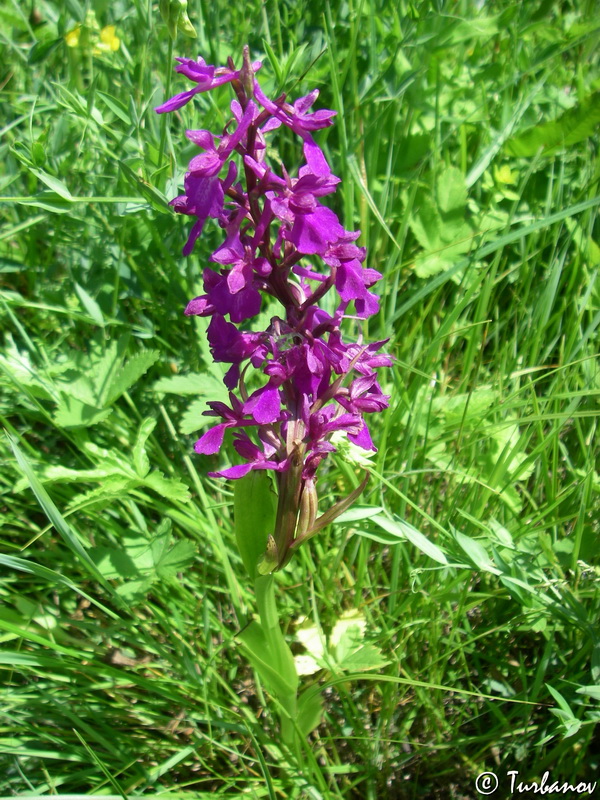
<point x="254" y="506"/>
<point x="589" y="691"/>
<point x="192" y="420"/>
<point x="426" y="223"/>
<point x="365" y="657"/>
<point x="114" y="563"/>
<point x="310" y="711"/>
<point x="258" y="651"/>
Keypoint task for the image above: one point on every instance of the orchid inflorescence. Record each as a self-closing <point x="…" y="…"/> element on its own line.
<point x="317" y="384"/>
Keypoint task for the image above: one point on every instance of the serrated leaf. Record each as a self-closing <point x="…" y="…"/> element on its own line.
<point x="426" y="223"/>
<point x="132" y="371"/>
<point x="365" y="658"/>
<point x="134" y="591"/>
<point x="111" y="489"/>
<point x="175" y="559"/>
<point x="204" y="385"/>
<point x="192" y="420"/>
<point x="140" y="459"/>
<point x="72" y="413"/>
<point x="58" y="474"/>
<point x="114" y="563"/>
<point x="426" y="266"/>
<point x="171" y="488"/>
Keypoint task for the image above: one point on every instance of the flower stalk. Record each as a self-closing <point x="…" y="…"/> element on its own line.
<point x="300" y="382"/>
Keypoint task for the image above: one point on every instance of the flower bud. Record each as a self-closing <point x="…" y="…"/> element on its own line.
<point x="175" y="17"/>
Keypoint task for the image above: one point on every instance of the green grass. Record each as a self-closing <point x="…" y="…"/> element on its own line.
<point x="466" y="139"/>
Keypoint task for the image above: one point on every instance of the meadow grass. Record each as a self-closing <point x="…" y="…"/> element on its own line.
<point x="465" y="138"/>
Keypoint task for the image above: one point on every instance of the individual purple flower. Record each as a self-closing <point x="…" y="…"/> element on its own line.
<point x="205" y="76"/>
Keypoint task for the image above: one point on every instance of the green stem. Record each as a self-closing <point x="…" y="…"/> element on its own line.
<point x="279" y="652"/>
<point x="163" y="126"/>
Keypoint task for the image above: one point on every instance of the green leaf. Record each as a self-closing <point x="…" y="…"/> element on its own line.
<point x="366" y="657"/>
<point x="357" y="513"/>
<point x="41" y="50"/>
<point x="257" y="649"/>
<point x="451" y="191"/>
<point x="573" y="126"/>
<point x="49" y="201"/>
<point x="73" y="413"/>
<point x="476" y="553"/>
<point x="52" y="183"/>
<point x="254" y="513"/>
<point x="175" y="560"/>
<point x="590" y="691"/>
<point x="63" y="529"/>
<point x="131" y="372"/>
<point x="476" y="28"/>
<point x="192" y="420"/>
<point x="150" y="193"/>
<point x="310" y="711"/>
<point x="206" y="385"/>
<point x="171" y="488"/>
<point x="403" y="530"/>
<point x="115" y="105"/>
<point x="114" y="563"/>
<point x="90" y="305"/>
<point x="140" y="459"/>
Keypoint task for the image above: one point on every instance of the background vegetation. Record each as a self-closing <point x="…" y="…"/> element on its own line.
<point x="454" y="617"/>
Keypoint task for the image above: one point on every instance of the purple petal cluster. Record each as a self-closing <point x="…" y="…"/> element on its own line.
<point x="280" y="241"/>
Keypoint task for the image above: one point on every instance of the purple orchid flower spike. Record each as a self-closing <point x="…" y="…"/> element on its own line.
<point x="314" y="384"/>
